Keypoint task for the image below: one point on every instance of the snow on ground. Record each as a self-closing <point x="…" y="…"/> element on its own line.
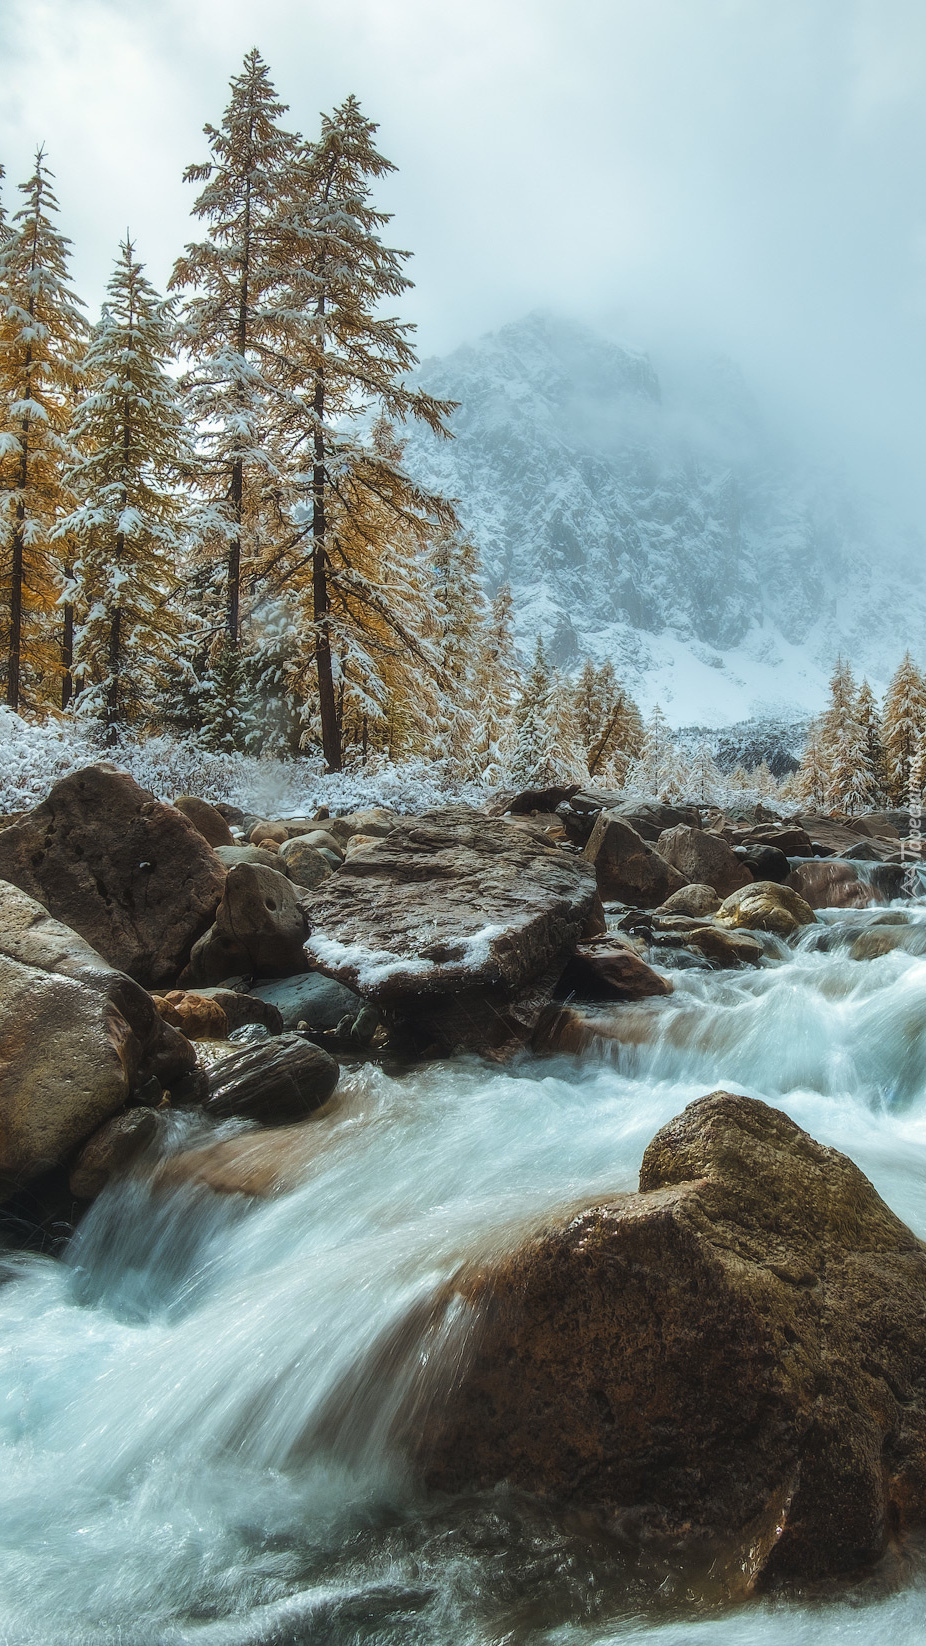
<point x="33" y="756"/>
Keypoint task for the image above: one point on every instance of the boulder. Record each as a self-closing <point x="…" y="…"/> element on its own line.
<point x="692" y="900"/>
<point x="704" y="859"/>
<point x="323" y="841"/>
<point x="627" y="868"/>
<point x="604" y="968"/>
<point x="767" y="907"/>
<point x="730" y="1363"/>
<point x="651" y="818"/>
<point x="207" y="819"/>
<point x="263" y="834"/>
<point x="879" y="940"/>
<point x="765" y="862"/>
<point x="303" y="862"/>
<point x="198" y="1016"/>
<point x="375" y="821"/>
<point x="831" y="883"/>
<point x="450" y="900"/>
<point x="320" y="1004"/>
<point x="112" y="1150"/>
<point x="242" y="1009"/>
<point x="275" y="1082"/>
<point x="791" y="839"/>
<point x="79" y="1041"/>
<point x="131" y="875"/>
<point x="259" y="930"/>
<point x="231" y="856"/>
<point x="724" y="949"/>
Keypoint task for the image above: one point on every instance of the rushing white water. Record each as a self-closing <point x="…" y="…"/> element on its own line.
<point x="197" y="1405"/>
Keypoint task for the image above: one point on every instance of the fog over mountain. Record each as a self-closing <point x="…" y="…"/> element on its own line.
<point x="657" y="518"/>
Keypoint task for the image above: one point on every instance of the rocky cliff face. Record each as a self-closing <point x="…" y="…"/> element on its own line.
<point x="661" y="524"/>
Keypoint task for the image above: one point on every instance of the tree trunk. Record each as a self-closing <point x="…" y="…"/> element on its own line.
<point x="233" y="591"/>
<point x="115" y="663"/>
<point x="16" y="610"/>
<point x="67" y="654"/>
<point x="331" y="735"/>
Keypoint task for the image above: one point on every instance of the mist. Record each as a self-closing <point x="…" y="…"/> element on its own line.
<point x="725" y="176"/>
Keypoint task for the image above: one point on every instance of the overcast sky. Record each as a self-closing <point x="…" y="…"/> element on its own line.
<point x="738" y="174"/>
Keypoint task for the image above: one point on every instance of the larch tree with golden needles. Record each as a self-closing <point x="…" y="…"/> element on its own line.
<point x="344" y="357"/>
<point x="232" y="337"/>
<point x="134" y="451"/>
<point x="42" y="332"/>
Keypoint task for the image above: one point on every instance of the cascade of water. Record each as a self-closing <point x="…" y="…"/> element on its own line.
<point x="198" y="1407"/>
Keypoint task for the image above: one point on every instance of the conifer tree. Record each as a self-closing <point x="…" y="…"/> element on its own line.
<point x="869" y="719"/>
<point x="134" y="448"/>
<point x="41" y="336"/>
<point x="459" y="619"/>
<point x="659" y="769"/>
<point x="495" y="692"/>
<point x="233" y="332"/>
<point x="811" y="780"/>
<point x="343" y="355"/>
<point x="535" y="763"/>
<point x="904" y="729"/>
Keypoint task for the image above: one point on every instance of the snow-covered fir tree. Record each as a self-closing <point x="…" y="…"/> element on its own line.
<point x="495" y="693"/>
<point x="42" y="332"/>
<point x="659" y="769"/>
<point x="903" y="731"/>
<point x="234" y="336"/>
<point x="536" y="762"/>
<point x="134" y="450"/>
<point x="460" y="637"/>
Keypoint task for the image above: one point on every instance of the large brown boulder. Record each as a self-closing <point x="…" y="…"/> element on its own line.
<point x="627" y="868"/>
<point x="131" y="875"/>
<point x="78" y="1041"/>
<point x="767" y="907"/>
<point x="449" y="901"/>
<point x="831" y="883"/>
<point x="277" y="1081"/>
<point x="207" y="819"/>
<point x="259" y="930"/>
<point x="733" y="1360"/>
<point x="704" y="859"/>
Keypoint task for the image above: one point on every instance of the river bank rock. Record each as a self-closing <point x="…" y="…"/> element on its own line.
<point x="695" y="900"/>
<point x="767" y="907"/>
<point x="206" y="818"/>
<point x="259" y="930"/>
<point x="111" y="1150"/>
<point x="275" y="1082"/>
<point x="704" y="859"/>
<point x="627" y="868"/>
<point x="303" y="862"/>
<point x="604" y="968"/>
<point x="731" y="1361"/>
<point x="319" y="1005"/>
<point x="457" y="923"/>
<point x="132" y="876"/>
<point x="79" y="1041"/>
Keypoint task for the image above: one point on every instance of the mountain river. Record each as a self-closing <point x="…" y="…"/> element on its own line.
<point x="196" y="1403"/>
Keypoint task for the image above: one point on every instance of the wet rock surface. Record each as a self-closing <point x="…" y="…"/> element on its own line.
<point x="732" y="1359"/>
<point x="449" y="901"/>
<point x="276" y="1081"/>
<point x="79" y="1041"/>
<point x="259" y="930"/>
<point x="704" y="859"/>
<point x="628" y="869"/>
<point x="131" y="875"/>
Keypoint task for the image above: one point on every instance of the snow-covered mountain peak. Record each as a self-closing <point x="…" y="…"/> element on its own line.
<point x="660" y="523"/>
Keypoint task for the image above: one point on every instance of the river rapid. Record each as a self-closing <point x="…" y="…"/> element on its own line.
<point x="199" y="1398"/>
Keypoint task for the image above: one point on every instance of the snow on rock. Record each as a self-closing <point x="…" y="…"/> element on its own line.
<point x="447" y="901"/>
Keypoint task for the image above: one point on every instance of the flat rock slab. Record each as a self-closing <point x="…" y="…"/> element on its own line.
<point x="131" y="875"/>
<point x="733" y="1360"/>
<point x="448" y="901"/>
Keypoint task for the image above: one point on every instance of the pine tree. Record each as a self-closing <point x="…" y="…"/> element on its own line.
<point x="495" y="693"/>
<point x="343" y="355"/>
<point x="134" y="448"/>
<point x="659" y="769"/>
<point x="706" y="778"/>
<point x="535" y="763"/>
<point x="459" y="618"/>
<point x="873" y="759"/>
<point x="811" y="780"/>
<point x="233" y="332"/>
<point x="41" y="337"/>
<point x="904" y="730"/>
